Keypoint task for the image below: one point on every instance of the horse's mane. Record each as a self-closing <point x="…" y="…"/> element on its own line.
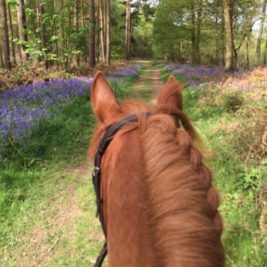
<point x="182" y="210"/>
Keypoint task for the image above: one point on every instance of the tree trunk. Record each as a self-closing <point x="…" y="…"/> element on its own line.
<point x="265" y="54"/>
<point x="229" y="37"/>
<point x="101" y="24"/>
<point x="92" y="33"/>
<point x="5" y="36"/>
<point x="193" y="35"/>
<point x="198" y="30"/>
<point x="77" y="28"/>
<point x="40" y="14"/>
<point x="247" y="52"/>
<point x="258" y="44"/>
<point x="22" y="29"/>
<point x="222" y="36"/>
<point x="63" y="42"/>
<point x="82" y="11"/>
<point x="128" y="30"/>
<point x="107" y="61"/>
<point x="1" y="58"/>
<point x="55" y="32"/>
<point x="13" y="51"/>
<point x="97" y="37"/>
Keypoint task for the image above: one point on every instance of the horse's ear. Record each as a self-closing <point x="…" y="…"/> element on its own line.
<point x="171" y="95"/>
<point x="103" y="100"/>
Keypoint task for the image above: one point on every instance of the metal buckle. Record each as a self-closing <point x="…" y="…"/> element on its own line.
<point x="96" y="171"/>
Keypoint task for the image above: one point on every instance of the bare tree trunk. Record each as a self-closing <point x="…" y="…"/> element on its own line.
<point x="92" y="33"/>
<point x="258" y="45"/>
<point x="1" y="57"/>
<point x="247" y="52"/>
<point x="229" y="38"/>
<point x="102" y="31"/>
<point x="107" y="61"/>
<point x="82" y="11"/>
<point x="40" y="14"/>
<point x="193" y="34"/>
<point x="198" y="30"/>
<point x="128" y="30"/>
<point x="77" y="26"/>
<point x="265" y="54"/>
<point x="64" y="44"/>
<point x="5" y="36"/>
<point x="13" y="51"/>
<point x="56" y="49"/>
<point x="22" y="29"/>
<point x="97" y="37"/>
<point x="222" y="34"/>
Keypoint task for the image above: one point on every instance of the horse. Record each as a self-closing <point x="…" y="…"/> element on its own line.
<point x="158" y="205"/>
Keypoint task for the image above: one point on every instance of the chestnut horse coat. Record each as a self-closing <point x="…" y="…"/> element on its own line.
<point x="159" y="205"/>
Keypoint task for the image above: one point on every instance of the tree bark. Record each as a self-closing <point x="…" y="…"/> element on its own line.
<point x="265" y="54"/>
<point x="229" y="37"/>
<point x="193" y="35"/>
<point x="77" y="28"/>
<point x="1" y="58"/>
<point x="258" y="44"/>
<point x="55" y="32"/>
<point x="107" y="61"/>
<point x="92" y="34"/>
<point x="5" y="36"/>
<point x="247" y="51"/>
<point x="198" y="30"/>
<point x="128" y="30"/>
<point x="22" y="29"/>
<point x="101" y="33"/>
<point x="40" y="14"/>
<point x="13" y="51"/>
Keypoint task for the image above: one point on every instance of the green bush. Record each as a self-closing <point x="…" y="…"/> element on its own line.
<point x="233" y="101"/>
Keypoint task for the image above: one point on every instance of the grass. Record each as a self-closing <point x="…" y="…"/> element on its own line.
<point x="239" y="180"/>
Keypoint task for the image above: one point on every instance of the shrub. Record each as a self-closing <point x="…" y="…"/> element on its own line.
<point x="233" y="101"/>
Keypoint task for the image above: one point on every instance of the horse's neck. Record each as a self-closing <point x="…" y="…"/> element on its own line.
<point x="160" y="209"/>
<point x="181" y="203"/>
<point x="123" y="190"/>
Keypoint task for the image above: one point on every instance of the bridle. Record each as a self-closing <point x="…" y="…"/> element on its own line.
<point x="96" y="175"/>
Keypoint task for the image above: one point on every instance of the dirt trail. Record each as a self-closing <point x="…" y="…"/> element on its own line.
<point x="149" y="82"/>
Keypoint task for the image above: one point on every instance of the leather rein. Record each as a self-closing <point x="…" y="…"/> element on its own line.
<point x="96" y="175"/>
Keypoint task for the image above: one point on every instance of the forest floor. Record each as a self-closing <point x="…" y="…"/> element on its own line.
<point x="54" y="223"/>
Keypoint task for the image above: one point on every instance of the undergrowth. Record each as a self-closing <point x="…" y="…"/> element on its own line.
<point x="232" y="127"/>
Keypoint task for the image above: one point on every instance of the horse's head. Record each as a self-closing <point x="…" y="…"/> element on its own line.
<point x="108" y="109"/>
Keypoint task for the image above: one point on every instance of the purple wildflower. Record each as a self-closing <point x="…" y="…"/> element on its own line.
<point x="23" y="107"/>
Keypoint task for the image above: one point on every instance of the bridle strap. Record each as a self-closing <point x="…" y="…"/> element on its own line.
<point x="101" y="257"/>
<point x="96" y="175"/>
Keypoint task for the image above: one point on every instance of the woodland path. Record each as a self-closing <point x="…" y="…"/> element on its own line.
<point x="149" y="83"/>
<point x="58" y="226"/>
